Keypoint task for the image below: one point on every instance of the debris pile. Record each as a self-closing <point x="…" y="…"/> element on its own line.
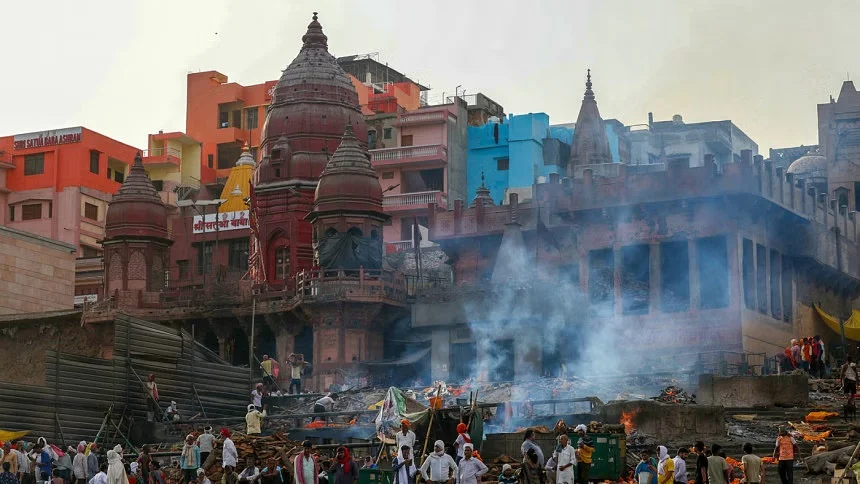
<point x="675" y="395"/>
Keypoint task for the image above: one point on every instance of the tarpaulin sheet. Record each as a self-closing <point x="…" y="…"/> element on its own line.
<point x="350" y="251"/>
<point x="8" y="435"/>
<point x="393" y="410"/>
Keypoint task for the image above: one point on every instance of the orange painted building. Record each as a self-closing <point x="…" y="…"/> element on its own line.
<point x="58" y="184"/>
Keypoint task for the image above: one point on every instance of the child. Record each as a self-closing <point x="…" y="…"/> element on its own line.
<point x="644" y="472"/>
<point x="507" y="476"/>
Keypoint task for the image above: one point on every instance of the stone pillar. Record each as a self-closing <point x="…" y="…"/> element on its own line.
<point x="654" y="290"/>
<point x="528" y="357"/>
<point x="440" y="354"/>
<point x="222" y="347"/>
<point x="694" y="275"/>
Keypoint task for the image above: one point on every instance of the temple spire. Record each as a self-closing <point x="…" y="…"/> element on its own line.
<point x="589" y="94"/>
<point x="590" y="143"/>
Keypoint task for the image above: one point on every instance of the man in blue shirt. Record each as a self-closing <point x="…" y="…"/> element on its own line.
<point x="45" y="462"/>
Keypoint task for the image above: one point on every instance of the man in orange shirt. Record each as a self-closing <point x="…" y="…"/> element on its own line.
<point x="784" y="451"/>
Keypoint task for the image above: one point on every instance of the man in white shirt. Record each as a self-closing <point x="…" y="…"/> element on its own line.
<point x="206" y="442"/>
<point x="681" y="465"/>
<point x="229" y="455"/>
<point x="442" y="467"/>
<point x="470" y="469"/>
<point x="405" y="437"/>
<point x="101" y="477"/>
<point x="403" y="467"/>
<point x="257" y="396"/>
<point x="305" y="467"/>
<point x="251" y="473"/>
<point x="565" y="458"/>
<point x="323" y="405"/>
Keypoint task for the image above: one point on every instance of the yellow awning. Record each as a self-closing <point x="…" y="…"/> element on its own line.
<point x="9" y="435"/>
<point x="852" y="325"/>
<point x="237" y="188"/>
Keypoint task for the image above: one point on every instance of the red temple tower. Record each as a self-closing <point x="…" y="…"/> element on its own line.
<point x="136" y="243"/>
<point x="312" y="103"/>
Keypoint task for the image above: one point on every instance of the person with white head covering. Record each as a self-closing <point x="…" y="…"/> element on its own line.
<point x="404" y="467"/>
<point x="442" y="467"/>
<point x="79" y="464"/>
<point x="172" y="412"/>
<point x="254" y="419"/>
<point x="565" y="458"/>
<point x="507" y="476"/>
<point x="470" y="469"/>
<point x="189" y="461"/>
<point x="116" y="471"/>
<point x="134" y="467"/>
<point x="201" y="474"/>
<point x="665" y="466"/>
<point x="584" y="452"/>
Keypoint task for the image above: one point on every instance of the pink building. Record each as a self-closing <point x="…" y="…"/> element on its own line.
<point x="428" y="165"/>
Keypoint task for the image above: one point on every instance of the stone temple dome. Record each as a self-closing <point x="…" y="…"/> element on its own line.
<point x="810" y="167"/>
<point x="349" y="182"/>
<point x="136" y="210"/>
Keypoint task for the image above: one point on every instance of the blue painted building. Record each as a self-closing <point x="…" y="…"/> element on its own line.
<point x="510" y="155"/>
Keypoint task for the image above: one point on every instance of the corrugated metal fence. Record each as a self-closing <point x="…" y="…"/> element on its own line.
<point x="79" y="391"/>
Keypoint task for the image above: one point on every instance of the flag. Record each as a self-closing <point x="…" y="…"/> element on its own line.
<point x="256" y="269"/>
<point x="545" y="234"/>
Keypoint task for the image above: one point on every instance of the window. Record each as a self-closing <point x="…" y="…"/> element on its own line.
<point x="182" y="265"/>
<point x="204" y="257"/>
<point x="118" y="176"/>
<point x="237" y="118"/>
<point x="406" y="140"/>
<point x="502" y="164"/>
<point x="713" y="260"/>
<point x="282" y="263"/>
<point x="210" y="159"/>
<point x="89" y="252"/>
<point x="856" y="195"/>
<point x="387" y="175"/>
<point x="251" y="118"/>
<point x="238" y="255"/>
<point x="223" y="119"/>
<point x="159" y="185"/>
<point x="787" y="296"/>
<point x="109" y="172"/>
<point x="91" y="211"/>
<point x="31" y="211"/>
<point x="11" y="213"/>
<point x="371" y="139"/>
<point x="761" y="277"/>
<point x="50" y="209"/>
<point x="94" y="162"/>
<point x="601" y="280"/>
<point x="775" y="285"/>
<point x="749" y="274"/>
<point x="635" y="279"/>
<point x="34" y="164"/>
<point x="675" y="276"/>
<point x="386" y="133"/>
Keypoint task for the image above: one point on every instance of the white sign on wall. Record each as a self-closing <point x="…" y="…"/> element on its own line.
<point x="42" y="139"/>
<point x="221" y="222"/>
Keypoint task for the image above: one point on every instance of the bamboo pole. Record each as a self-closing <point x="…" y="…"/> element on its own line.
<point x="430" y="426"/>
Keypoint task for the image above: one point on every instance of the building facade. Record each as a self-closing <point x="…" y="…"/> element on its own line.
<point x="37" y="274"/>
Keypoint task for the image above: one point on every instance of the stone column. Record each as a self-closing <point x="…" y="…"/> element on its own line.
<point x="694" y="275"/>
<point x="654" y="290"/>
<point x="440" y="354"/>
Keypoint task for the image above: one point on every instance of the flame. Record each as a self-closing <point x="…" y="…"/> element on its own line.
<point x="628" y="420"/>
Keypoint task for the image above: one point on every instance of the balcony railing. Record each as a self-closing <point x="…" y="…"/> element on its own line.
<point x="336" y="285"/>
<point x="400" y="245"/>
<point x="161" y="152"/>
<point x="387" y="156"/>
<point x="421" y="118"/>
<point x="416" y="199"/>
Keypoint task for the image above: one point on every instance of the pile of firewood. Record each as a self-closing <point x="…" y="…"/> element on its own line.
<point x="673" y="394"/>
<point x="275" y="446"/>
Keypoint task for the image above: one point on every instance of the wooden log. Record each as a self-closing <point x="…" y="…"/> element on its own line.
<point x="817" y="464"/>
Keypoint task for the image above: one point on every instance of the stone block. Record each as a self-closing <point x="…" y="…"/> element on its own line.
<point x="753" y="391"/>
<point x="668" y="422"/>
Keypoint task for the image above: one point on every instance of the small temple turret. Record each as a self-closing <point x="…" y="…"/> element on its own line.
<point x="590" y="143"/>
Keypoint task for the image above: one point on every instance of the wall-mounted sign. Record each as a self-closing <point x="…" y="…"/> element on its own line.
<point x="89" y="298"/>
<point x="223" y="221"/>
<point x="42" y="139"/>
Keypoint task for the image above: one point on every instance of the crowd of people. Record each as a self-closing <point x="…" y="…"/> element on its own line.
<point x="806" y="354"/>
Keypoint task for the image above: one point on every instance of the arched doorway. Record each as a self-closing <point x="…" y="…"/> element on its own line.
<point x="266" y="345"/>
<point x="239" y="343"/>
<point x="210" y="340"/>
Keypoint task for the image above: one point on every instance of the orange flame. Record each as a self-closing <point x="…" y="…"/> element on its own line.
<point x="628" y="420"/>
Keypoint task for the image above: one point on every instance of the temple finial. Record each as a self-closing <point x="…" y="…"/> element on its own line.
<point x="589" y="94"/>
<point x="315" y="15"/>
<point x="482" y="177"/>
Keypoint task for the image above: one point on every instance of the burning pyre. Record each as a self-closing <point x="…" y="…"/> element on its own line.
<point x="628" y="420"/>
<point x="675" y="395"/>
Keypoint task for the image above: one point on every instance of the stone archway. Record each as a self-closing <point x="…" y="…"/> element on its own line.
<point x="238" y="347"/>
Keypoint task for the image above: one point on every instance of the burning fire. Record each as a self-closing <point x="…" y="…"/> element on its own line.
<point x="628" y="420"/>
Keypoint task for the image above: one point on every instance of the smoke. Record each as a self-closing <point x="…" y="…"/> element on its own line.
<point x="535" y="322"/>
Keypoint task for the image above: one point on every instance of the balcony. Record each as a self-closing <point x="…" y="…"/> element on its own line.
<point x="414" y="201"/>
<point x="400" y="245"/>
<point x="418" y="118"/>
<point x="423" y="156"/>
<point x="162" y="157"/>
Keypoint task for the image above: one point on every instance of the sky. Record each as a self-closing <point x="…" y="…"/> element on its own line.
<point x="119" y="67"/>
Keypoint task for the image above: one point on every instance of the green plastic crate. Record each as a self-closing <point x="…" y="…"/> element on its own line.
<point x="375" y="476"/>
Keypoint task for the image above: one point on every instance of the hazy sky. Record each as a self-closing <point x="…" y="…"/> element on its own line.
<point x="119" y="67"/>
